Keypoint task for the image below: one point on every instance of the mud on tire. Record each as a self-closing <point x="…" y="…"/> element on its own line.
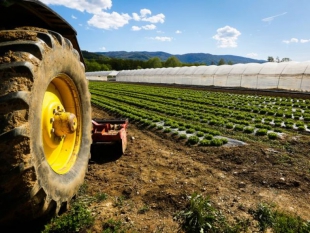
<point x="31" y="62"/>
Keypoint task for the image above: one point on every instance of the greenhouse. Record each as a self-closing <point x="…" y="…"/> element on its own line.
<point x="291" y="76"/>
<point x="101" y="75"/>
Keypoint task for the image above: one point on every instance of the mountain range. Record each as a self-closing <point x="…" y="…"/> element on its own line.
<point x="201" y="58"/>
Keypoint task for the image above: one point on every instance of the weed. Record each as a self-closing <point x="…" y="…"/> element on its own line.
<point x="119" y="201"/>
<point x="78" y="218"/>
<point x="201" y="216"/>
<point x="286" y="223"/>
<point x="278" y="221"/>
<point x="143" y="210"/>
<point x="264" y="216"/>
<point x="112" y="226"/>
<point x="83" y="189"/>
<point x="101" y="196"/>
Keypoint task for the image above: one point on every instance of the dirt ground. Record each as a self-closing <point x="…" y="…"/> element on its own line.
<point x="150" y="183"/>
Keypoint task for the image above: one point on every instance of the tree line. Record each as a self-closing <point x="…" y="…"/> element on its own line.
<point x="101" y="63"/>
<point x="277" y="59"/>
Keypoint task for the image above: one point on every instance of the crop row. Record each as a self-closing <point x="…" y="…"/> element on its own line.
<point x="182" y="109"/>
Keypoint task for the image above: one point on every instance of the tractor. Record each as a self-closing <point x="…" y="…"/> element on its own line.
<point x="45" y="120"/>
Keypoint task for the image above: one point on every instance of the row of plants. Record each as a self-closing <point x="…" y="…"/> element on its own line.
<point x="278" y="119"/>
<point x="193" y="133"/>
<point x="164" y="105"/>
<point x="231" y="100"/>
<point x="202" y="135"/>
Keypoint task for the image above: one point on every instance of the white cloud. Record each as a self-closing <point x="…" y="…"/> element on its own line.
<point x="227" y="37"/>
<point x="136" y="17"/>
<point x="135" y="28"/>
<point x="304" y="41"/>
<point x="107" y="21"/>
<point x="93" y="6"/>
<point x="292" y="40"/>
<point x="149" y="27"/>
<point x="163" y="38"/>
<point x="104" y="20"/>
<point x="178" y="32"/>
<point x="144" y="13"/>
<point x="269" y="19"/>
<point x="295" y="40"/>
<point x="160" y="18"/>
<point x="103" y="48"/>
<point x="146" y="27"/>
<point x="252" y="55"/>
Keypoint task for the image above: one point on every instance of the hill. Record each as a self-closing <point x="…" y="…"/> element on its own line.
<point x="202" y="58"/>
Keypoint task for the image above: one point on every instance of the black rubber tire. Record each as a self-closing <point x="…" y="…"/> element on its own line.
<point x="29" y="60"/>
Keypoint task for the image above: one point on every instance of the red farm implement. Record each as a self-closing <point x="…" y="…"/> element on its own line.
<point x="110" y="131"/>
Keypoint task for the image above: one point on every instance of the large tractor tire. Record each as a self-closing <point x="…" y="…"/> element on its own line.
<point x="45" y="124"/>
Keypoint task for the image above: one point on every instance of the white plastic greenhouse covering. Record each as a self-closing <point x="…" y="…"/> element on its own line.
<point x="292" y="76"/>
<point x="100" y="75"/>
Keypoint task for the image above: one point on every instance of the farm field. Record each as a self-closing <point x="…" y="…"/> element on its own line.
<point x="204" y="114"/>
<point x="161" y="167"/>
<point x="247" y="154"/>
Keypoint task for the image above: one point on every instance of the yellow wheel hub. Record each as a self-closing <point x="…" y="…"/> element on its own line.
<point x="61" y="124"/>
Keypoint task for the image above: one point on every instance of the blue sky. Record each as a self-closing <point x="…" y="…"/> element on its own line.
<point x="248" y="28"/>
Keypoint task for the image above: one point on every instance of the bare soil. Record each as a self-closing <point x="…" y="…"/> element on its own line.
<point x="150" y="183"/>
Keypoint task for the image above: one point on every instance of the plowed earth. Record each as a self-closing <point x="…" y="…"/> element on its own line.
<point x="150" y="183"/>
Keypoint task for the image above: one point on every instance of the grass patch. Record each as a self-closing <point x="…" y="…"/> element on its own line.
<point x="77" y="219"/>
<point x="202" y="216"/>
<point x="112" y="226"/>
<point x="101" y="197"/>
<point x="281" y="222"/>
